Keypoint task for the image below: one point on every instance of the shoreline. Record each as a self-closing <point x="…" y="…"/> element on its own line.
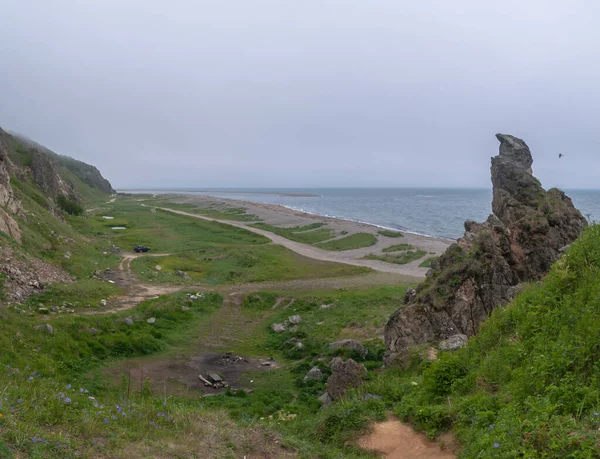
<point x="288" y="210"/>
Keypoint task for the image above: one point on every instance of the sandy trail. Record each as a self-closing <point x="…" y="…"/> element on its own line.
<point x="349" y="257"/>
<point x="395" y="440"/>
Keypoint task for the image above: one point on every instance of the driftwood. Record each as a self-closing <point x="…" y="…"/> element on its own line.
<point x="204" y="380"/>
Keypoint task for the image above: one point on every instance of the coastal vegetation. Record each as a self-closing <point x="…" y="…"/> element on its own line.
<point x="397" y="248"/>
<point x="350" y="242"/>
<point x="390" y="233"/>
<point x="308" y="234"/>
<point x="427" y="263"/>
<point x="401" y="258"/>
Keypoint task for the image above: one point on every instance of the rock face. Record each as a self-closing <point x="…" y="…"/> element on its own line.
<point x="344" y="376"/>
<point x="518" y="243"/>
<point x="351" y="345"/>
<point x="8" y="203"/>
<point x="44" y="171"/>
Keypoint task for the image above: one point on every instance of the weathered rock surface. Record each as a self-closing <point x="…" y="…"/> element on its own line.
<point x="344" y="376"/>
<point x="315" y="374"/>
<point x="8" y="203"/>
<point x="46" y="328"/>
<point x="454" y="342"/>
<point x="44" y="171"/>
<point x="278" y="328"/>
<point x="351" y="345"/>
<point x="517" y="243"/>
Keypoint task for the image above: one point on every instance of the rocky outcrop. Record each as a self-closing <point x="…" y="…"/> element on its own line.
<point x="344" y="376"/>
<point x="8" y="203"/>
<point x="44" y="171"/>
<point x="517" y="243"/>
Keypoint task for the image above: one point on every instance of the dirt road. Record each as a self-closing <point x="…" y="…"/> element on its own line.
<point x="349" y="257"/>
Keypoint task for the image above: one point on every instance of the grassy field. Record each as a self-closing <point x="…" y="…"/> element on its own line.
<point x="399" y="258"/>
<point x="353" y="241"/>
<point x="224" y="264"/>
<point x="308" y="234"/>
<point x="390" y="233"/>
<point x="398" y="248"/>
<point x="212" y="210"/>
<point x="164" y="232"/>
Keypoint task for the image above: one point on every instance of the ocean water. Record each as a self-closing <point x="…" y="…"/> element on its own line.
<point x="430" y="211"/>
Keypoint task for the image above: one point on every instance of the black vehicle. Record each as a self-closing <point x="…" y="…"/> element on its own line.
<point x="141" y="248"/>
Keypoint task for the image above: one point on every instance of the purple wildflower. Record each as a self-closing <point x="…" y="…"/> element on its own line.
<point x="67" y="400"/>
<point x="20" y="401"/>
<point x="81" y="390"/>
<point x="68" y="386"/>
<point x="30" y="378"/>
<point x="105" y="420"/>
<point x="492" y="426"/>
<point x="496" y="445"/>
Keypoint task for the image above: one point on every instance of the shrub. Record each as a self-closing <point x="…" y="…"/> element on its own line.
<point x="69" y="205"/>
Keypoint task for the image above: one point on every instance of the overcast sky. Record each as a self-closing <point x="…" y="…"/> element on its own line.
<point x="282" y="93"/>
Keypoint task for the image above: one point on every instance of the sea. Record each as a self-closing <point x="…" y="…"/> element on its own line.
<point x="436" y="212"/>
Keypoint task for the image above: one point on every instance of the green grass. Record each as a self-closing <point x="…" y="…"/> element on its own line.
<point x="400" y="258"/>
<point x="390" y="233"/>
<point x="81" y="294"/>
<point x="217" y="211"/>
<point x="163" y="231"/>
<point x="527" y="384"/>
<point x="308" y="234"/>
<point x="398" y="248"/>
<point x="353" y="241"/>
<point x="222" y="264"/>
<point x="427" y="263"/>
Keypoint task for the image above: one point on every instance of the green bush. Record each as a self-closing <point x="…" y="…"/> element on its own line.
<point x="69" y="205"/>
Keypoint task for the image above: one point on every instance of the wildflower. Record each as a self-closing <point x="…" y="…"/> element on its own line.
<point x="68" y="386"/>
<point x="34" y="440"/>
<point x="595" y="413"/>
<point x="114" y="418"/>
<point x="105" y="420"/>
<point x="492" y="426"/>
<point x="67" y="400"/>
<point x="30" y="378"/>
<point x="20" y="401"/>
<point x="496" y="445"/>
<point x="81" y="390"/>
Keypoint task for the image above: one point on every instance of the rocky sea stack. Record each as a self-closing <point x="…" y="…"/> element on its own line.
<point x="517" y="243"/>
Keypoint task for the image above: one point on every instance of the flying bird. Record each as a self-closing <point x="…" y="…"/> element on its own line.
<point x="560" y="155"/>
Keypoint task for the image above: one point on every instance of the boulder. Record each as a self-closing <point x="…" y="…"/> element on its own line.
<point x="158" y="267"/>
<point x="454" y="342"/>
<point x="185" y="308"/>
<point x="46" y="328"/>
<point x="103" y="302"/>
<point x="151" y="320"/>
<point x="344" y="376"/>
<point x="182" y="274"/>
<point x="278" y="328"/>
<point x="517" y="243"/>
<point x="350" y="344"/>
<point x="128" y="321"/>
<point x="315" y="374"/>
<point x="294" y="320"/>
<point x="325" y="399"/>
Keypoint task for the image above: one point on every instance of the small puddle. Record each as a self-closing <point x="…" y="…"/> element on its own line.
<point x="118" y="227"/>
<point x="395" y="440"/>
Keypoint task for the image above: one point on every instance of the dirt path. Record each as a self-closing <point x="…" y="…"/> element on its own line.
<point x="349" y="257"/>
<point x="395" y="440"/>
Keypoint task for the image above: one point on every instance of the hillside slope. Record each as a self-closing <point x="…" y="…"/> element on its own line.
<point x="37" y="190"/>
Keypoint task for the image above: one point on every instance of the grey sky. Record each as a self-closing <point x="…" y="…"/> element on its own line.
<point x="288" y="93"/>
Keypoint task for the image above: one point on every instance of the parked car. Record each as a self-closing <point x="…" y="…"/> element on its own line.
<point x="141" y="248"/>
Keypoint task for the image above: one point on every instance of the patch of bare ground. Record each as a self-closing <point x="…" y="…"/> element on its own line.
<point x="396" y="440"/>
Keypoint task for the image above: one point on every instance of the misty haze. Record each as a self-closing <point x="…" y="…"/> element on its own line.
<point x="317" y="229"/>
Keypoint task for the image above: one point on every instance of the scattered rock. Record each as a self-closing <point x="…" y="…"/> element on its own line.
<point x="182" y="274"/>
<point x="185" y="308"/>
<point x="454" y="342"/>
<point x="128" y="321"/>
<point x="93" y="331"/>
<point x="344" y="376"/>
<point x="278" y="328"/>
<point x="320" y="323"/>
<point x="214" y="377"/>
<point x="158" y="267"/>
<point x="67" y="255"/>
<point x="325" y="399"/>
<point x="315" y="374"/>
<point x="43" y="310"/>
<point x="295" y="342"/>
<point x="46" y="328"/>
<point x="350" y="344"/>
<point x="151" y="320"/>
<point x="295" y="320"/>
<point x="103" y="303"/>
<point x="326" y="306"/>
